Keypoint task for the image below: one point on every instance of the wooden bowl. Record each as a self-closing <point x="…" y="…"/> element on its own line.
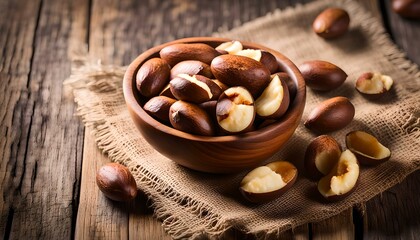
<point x="218" y="154"/>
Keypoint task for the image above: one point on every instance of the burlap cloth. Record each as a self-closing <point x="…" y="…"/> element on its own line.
<point x="192" y="204"/>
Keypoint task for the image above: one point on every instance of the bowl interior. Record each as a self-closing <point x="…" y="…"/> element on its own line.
<point x="135" y="101"/>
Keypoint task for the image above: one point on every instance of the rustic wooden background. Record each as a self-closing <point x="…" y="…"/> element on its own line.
<point x="48" y="159"/>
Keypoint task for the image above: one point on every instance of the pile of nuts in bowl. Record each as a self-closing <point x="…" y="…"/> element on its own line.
<point x="208" y="91"/>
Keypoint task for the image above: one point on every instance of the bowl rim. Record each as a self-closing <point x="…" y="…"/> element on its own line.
<point x="295" y="110"/>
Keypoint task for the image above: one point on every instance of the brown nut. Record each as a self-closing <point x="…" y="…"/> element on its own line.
<point x="331" y="23"/>
<point x="342" y="179"/>
<point x="290" y="84"/>
<point x="373" y="85"/>
<point x="158" y="107"/>
<point x="189" y="88"/>
<point x="274" y="100"/>
<point x="268" y="60"/>
<point x="234" y="70"/>
<point x="235" y="110"/>
<point x="152" y="77"/>
<point x="190" y="118"/>
<point x="264" y="57"/>
<point x="330" y="115"/>
<point x="268" y="182"/>
<point x="210" y="108"/>
<point x="191" y="67"/>
<point x="322" y="75"/>
<point x="321" y="156"/>
<point x="116" y="182"/>
<point x="368" y="150"/>
<point x="176" y="53"/>
<point x="407" y="8"/>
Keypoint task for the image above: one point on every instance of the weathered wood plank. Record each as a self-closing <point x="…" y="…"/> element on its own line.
<point x="337" y="227"/>
<point x="395" y="214"/>
<point x="98" y="217"/>
<point x="18" y="23"/>
<point x="41" y="139"/>
<point x="18" y="30"/>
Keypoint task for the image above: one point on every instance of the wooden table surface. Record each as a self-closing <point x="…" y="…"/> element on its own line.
<point x="49" y="159"/>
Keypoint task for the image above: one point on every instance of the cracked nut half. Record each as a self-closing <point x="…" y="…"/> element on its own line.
<point x="321" y="156"/>
<point x="189" y="88"/>
<point x="373" y="85"/>
<point x="235" y="110"/>
<point x="274" y="100"/>
<point x="116" y="182"/>
<point x="342" y="179"/>
<point x="268" y="182"/>
<point x="231" y="47"/>
<point x="368" y="150"/>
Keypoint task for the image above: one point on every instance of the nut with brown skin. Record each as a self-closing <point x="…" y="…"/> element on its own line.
<point x="342" y="179"/>
<point x="268" y="60"/>
<point x="274" y="100"/>
<point x="368" y="150"/>
<point x="330" y="115"/>
<point x="234" y="70"/>
<point x="179" y="52"/>
<point x="373" y="85"/>
<point x="407" y="8"/>
<point x="190" y="118"/>
<point x="321" y="156"/>
<point x="189" y="88"/>
<point x="158" y="107"/>
<point x="331" y="23"/>
<point x="152" y="77"/>
<point x="191" y="67"/>
<point x="235" y="110"/>
<point x="268" y="182"/>
<point x="322" y="75"/>
<point x="116" y="182"/>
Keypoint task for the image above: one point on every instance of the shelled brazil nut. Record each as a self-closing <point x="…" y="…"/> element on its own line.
<point x="205" y="90"/>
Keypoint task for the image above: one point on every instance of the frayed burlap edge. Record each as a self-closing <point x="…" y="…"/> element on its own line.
<point x="88" y="75"/>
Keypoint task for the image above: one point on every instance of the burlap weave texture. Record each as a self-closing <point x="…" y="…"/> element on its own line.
<point x="193" y="204"/>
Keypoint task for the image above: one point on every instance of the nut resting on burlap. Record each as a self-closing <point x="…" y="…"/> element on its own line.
<point x="193" y="204"/>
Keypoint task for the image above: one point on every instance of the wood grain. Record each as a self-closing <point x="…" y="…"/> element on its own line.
<point x="41" y="139"/>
